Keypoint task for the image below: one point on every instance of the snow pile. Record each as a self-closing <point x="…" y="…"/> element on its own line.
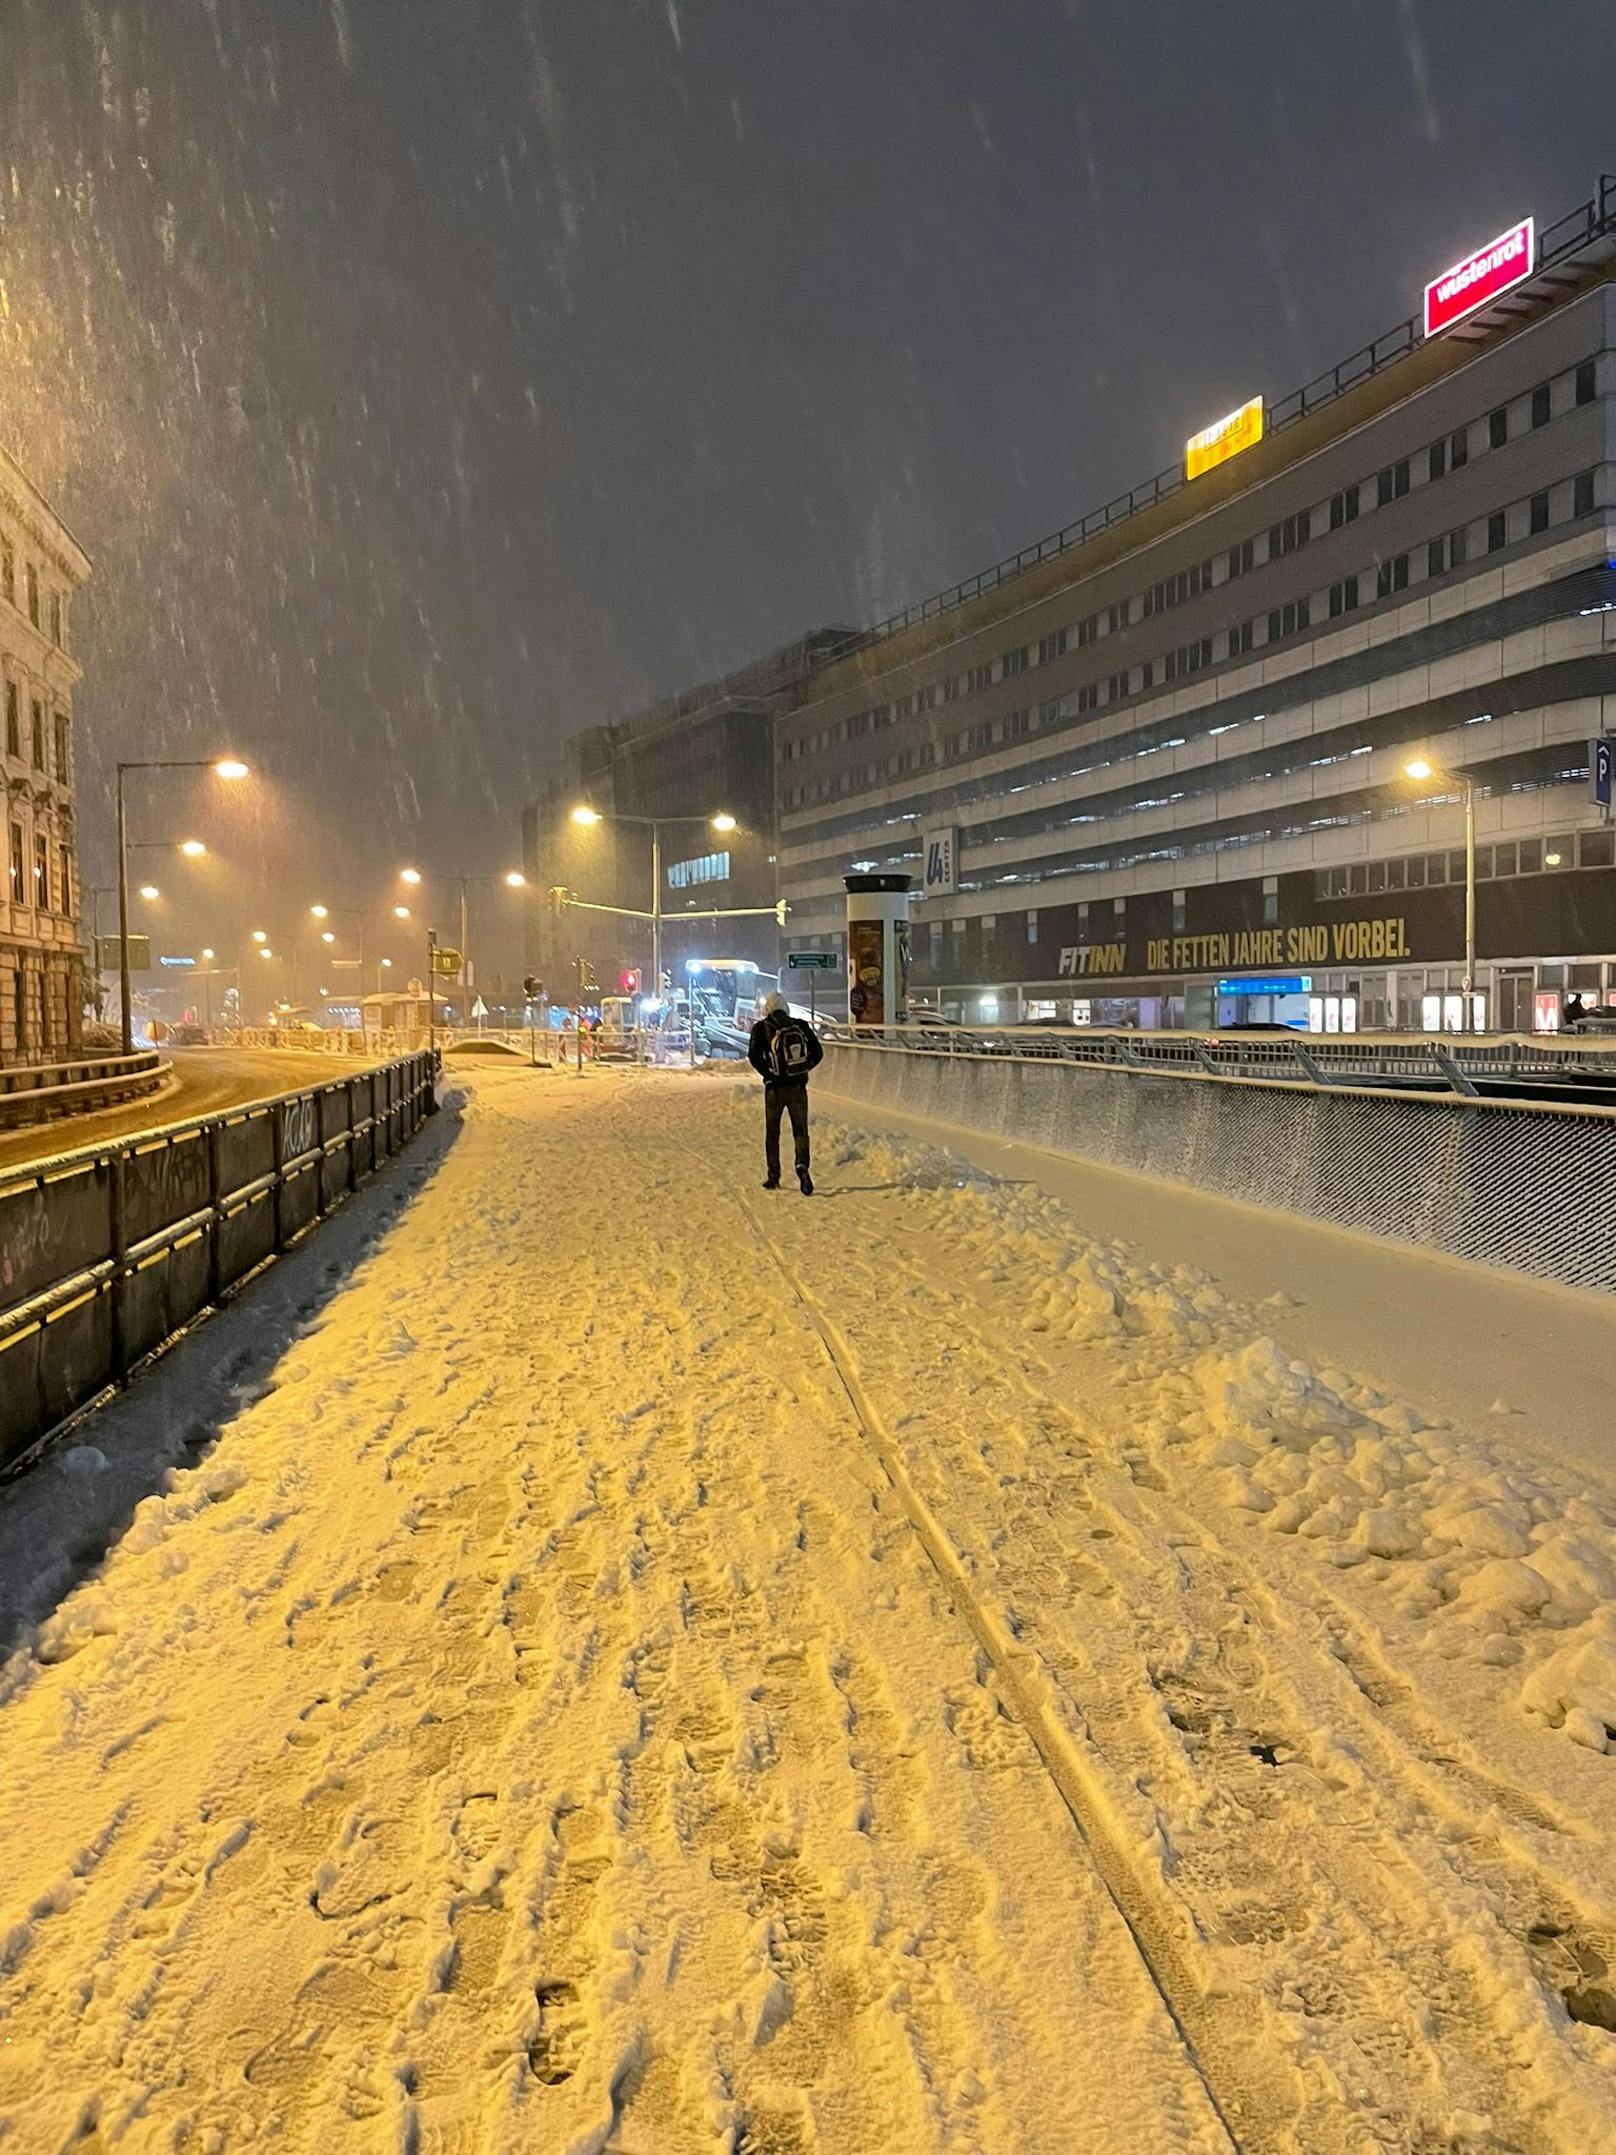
<point x="1501" y="1561"/>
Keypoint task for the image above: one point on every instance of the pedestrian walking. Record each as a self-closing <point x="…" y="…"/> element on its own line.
<point x="783" y="1050"/>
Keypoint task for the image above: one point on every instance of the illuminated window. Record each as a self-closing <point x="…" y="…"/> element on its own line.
<point x="705" y="868"/>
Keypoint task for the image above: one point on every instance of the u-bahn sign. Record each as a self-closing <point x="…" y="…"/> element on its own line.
<point x="1503" y="263"/>
<point x="940" y="863"/>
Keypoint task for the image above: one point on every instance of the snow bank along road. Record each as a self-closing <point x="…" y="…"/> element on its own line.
<point x="666" y="1667"/>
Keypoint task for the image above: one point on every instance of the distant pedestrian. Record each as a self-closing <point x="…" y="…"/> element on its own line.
<point x="783" y="1050"/>
<point x="1574" y="1013"/>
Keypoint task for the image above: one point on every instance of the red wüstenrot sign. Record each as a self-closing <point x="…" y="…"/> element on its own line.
<point x="1481" y="276"/>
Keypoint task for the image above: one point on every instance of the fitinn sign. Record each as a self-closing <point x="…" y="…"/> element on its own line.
<point x="1383" y="940"/>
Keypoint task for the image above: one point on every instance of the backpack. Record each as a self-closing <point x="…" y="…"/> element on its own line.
<point x="789" y="1052"/>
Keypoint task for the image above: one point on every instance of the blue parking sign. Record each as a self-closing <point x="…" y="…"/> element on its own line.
<point x="1602" y="769"/>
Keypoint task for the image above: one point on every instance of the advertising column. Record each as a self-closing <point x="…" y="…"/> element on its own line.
<point x="877" y="948"/>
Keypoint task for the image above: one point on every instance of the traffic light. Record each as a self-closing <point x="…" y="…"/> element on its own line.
<point x="558" y="897"/>
<point x="780" y="911"/>
<point x="532" y="988"/>
<point x="630" y="982"/>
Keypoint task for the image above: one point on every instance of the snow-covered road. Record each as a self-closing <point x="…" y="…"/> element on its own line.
<point x="664" y="1667"/>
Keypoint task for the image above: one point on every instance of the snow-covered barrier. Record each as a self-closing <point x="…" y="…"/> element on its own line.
<point x="1525" y="1186"/>
<point x="107" y="1251"/>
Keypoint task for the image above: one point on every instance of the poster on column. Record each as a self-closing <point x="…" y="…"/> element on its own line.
<point x="866" y="972"/>
<point x="900" y="969"/>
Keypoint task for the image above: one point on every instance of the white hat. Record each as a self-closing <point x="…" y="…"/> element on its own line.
<point x="775" y="1005"/>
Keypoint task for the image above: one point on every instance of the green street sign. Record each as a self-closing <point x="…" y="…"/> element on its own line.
<point x="811" y="961"/>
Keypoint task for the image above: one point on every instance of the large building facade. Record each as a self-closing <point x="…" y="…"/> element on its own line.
<point x="707" y="752"/>
<point x="1157" y="772"/>
<point x="42" y="967"/>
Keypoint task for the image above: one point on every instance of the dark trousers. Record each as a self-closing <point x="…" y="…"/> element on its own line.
<point x="781" y="1100"/>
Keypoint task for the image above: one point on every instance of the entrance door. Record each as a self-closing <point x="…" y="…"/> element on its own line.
<point x="1515" y="986"/>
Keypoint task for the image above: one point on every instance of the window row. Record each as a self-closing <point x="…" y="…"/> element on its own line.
<point x="1386" y="579"/>
<point x="37" y="733"/>
<point x="1391" y="483"/>
<point x="28" y="873"/>
<point x="45" y="605"/>
<point x="1510" y="857"/>
<point x="705" y="868"/>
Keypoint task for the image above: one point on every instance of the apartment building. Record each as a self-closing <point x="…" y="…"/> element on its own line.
<point x="1156" y="770"/>
<point x="42" y="963"/>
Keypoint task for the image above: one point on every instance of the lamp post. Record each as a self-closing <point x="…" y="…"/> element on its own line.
<point x="1422" y="767"/>
<point x="226" y="767"/>
<point x="587" y="817"/>
<point x="512" y="878"/>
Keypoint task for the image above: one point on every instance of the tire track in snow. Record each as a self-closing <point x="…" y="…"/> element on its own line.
<point x="1214" y="2031"/>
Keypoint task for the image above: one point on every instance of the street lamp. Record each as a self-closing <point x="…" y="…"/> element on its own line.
<point x="192" y="848"/>
<point x="320" y="912"/>
<point x="512" y="878"/>
<point x="150" y="891"/>
<point x="1420" y="767"/>
<point x="226" y="767"/>
<point x="260" y="935"/>
<point x="587" y="817"/>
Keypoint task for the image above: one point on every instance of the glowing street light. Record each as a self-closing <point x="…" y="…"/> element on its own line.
<point x="1421" y="767"/>
<point x="206" y="952"/>
<point x="328" y="936"/>
<point x="192" y="848"/>
<point x="515" y="880"/>
<point x="221" y="767"/>
<point x="412" y="876"/>
<point x="150" y="890"/>
<point x="401" y="912"/>
<point x="320" y="912"/>
<point x="721" y="821"/>
<point x="260" y="935"/>
<point x="265" y="951"/>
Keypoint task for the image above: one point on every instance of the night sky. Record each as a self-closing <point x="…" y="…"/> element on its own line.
<point x="428" y="378"/>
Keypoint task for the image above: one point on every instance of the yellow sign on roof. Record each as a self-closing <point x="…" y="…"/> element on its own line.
<point x="1223" y="439"/>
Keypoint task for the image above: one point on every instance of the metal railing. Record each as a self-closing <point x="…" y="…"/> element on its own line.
<point x="1493" y="1176"/>
<point x="1590" y="221"/>
<point x="108" y="1251"/>
<point x="1453" y="1063"/>
<point x="35" y="1092"/>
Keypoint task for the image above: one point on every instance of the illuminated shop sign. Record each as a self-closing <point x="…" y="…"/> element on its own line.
<point x="1502" y="263"/>
<point x="1266" y="984"/>
<point x="1225" y="438"/>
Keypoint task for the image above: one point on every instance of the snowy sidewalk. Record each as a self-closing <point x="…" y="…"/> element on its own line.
<point x="667" y="1667"/>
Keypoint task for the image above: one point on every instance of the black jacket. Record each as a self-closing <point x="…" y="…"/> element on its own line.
<point x="763" y="1032"/>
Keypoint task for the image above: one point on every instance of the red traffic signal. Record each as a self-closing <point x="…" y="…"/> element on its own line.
<point x="631" y="982"/>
